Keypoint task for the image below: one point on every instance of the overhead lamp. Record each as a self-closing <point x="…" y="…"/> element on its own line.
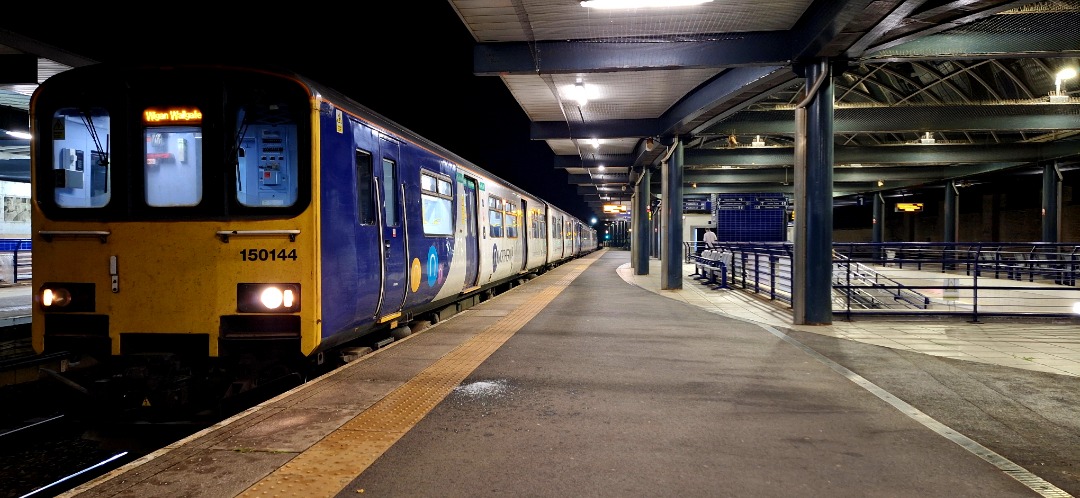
<point x="638" y="4"/>
<point x="595" y="143"/>
<point x="758" y="142"/>
<point x="579" y="93"/>
<point x="22" y="135"/>
<point x="927" y="139"/>
<point x="600" y="167"/>
<point x="649" y="144"/>
<point x="1062" y="75"/>
<point x="693" y="185"/>
<point x="881" y="183"/>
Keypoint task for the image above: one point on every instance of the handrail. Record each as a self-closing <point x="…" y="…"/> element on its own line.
<point x="21" y="260"/>
<point x="920" y="301"/>
<point x="1014" y="279"/>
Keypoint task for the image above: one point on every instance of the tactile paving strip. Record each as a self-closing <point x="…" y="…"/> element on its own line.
<point x="332" y="463"/>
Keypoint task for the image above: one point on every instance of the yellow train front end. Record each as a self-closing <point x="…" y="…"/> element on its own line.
<point x="174" y="229"/>
<point x="130" y="288"/>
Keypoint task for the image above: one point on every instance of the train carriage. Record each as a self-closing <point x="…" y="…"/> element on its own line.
<point x="226" y="221"/>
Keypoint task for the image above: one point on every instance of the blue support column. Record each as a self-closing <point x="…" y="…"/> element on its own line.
<point x="642" y="226"/>
<point x="812" y="288"/>
<point x="671" y="242"/>
<point x="951" y="211"/>
<point x="1051" y="203"/>
<point x="877" y="231"/>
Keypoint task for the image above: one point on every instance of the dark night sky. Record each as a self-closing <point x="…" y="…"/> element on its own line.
<point x="410" y="64"/>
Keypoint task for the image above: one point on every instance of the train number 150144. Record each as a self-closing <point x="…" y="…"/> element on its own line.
<point x="267" y="255"/>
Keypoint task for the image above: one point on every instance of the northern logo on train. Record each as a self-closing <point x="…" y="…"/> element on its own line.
<point x="497" y="256"/>
<point x="433" y="267"/>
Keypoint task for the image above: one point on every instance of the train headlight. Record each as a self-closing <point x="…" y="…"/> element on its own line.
<point x="268" y="298"/>
<point x="66" y="297"/>
<point x="55" y="298"/>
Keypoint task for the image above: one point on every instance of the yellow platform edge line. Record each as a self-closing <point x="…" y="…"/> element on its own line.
<point x="329" y="465"/>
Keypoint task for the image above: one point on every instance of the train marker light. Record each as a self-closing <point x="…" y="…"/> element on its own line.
<point x="55" y="298"/>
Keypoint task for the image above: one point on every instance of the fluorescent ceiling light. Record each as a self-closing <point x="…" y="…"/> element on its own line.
<point x="19" y="134"/>
<point x="581" y="93"/>
<point x="1066" y="73"/>
<point x="639" y="4"/>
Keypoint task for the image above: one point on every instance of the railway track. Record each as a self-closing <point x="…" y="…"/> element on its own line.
<point x="48" y="455"/>
<point x="49" y="444"/>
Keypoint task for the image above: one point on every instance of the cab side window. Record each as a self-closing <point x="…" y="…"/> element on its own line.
<point x="80" y="163"/>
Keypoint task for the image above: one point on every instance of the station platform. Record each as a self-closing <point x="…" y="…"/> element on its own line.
<point x="582" y="382"/>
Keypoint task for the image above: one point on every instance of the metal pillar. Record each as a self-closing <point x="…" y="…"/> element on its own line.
<point x="812" y="287"/>
<point x="1051" y="203"/>
<point x="639" y="211"/>
<point x="878" y="230"/>
<point x="671" y="243"/>
<point x="951" y="212"/>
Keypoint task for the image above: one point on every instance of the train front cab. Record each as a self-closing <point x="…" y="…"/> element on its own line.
<point x="147" y="239"/>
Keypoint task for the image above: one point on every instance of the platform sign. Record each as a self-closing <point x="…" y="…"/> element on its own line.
<point x="696" y="206"/>
<point x="909" y="207"/>
<point x="758" y="217"/>
<point x="732" y="203"/>
<point x="770" y="203"/>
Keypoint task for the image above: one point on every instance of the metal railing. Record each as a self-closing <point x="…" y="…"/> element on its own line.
<point x="16" y="261"/>
<point x="970" y="280"/>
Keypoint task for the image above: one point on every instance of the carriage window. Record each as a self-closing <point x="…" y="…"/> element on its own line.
<point x="80" y="161"/>
<point x="511" y="221"/>
<point x="445" y="187"/>
<point x="389" y="190"/>
<point x="267" y="159"/>
<point x="173" y="162"/>
<point x="536" y="225"/>
<point x="495" y="216"/>
<point x="436" y="205"/>
<point x="365" y="196"/>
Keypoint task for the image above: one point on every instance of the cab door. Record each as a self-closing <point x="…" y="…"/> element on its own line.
<point x="391" y="223"/>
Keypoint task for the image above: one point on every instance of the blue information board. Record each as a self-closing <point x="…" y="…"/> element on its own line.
<point x="750" y="217"/>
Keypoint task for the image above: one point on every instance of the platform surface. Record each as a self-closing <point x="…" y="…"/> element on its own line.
<point x="585" y="382"/>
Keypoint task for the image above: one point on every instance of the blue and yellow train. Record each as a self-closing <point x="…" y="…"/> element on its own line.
<point x="199" y="227"/>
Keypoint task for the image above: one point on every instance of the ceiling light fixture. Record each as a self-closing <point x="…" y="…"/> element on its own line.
<point x="22" y="135"/>
<point x="639" y="4"/>
<point x="600" y="167"/>
<point x="595" y="143"/>
<point x="579" y="93"/>
<point x="881" y="183"/>
<point x="1064" y="74"/>
<point x="758" y="142"/>
<point x="927" y="139"/>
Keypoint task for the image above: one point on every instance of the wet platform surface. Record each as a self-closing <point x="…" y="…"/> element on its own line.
<point x="579" y="383"/>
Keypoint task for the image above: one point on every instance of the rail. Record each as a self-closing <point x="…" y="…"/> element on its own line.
<point x="969" y="280"/>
